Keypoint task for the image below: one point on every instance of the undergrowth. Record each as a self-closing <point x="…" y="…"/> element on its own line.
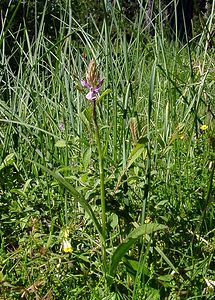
<point x="154" y="237"/>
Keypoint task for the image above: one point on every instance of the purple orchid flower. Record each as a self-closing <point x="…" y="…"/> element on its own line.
<point x="93" y="90"/>
<point x="92" y="82"/>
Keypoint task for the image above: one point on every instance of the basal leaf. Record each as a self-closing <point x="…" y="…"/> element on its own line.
<point x="122" y="249"/>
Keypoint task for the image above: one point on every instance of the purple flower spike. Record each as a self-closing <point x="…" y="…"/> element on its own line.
<point x="92" y="82"/>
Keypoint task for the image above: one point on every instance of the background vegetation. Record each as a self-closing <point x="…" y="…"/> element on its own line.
<point x="155" y="118"/>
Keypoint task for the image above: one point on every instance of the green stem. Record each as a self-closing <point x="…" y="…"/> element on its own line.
<point x="102" y="187"/>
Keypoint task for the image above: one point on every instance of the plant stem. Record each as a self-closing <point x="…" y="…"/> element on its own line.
<point x="102" y="187"/>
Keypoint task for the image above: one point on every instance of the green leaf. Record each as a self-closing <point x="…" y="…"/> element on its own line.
<point x="86" y="116"/>
<point x="153" y="294"/>
<point x="122" y="249"/>
<point x="117" y="256"/>
<point x="167" y="277"/>
<point x="9" y="160"/>
<point x="114" y="221"/>
<point x="18" y="192"/>
<point x="26" y="185"/>
<point x="105" y="93"/>
<point x="87" y="157"/>
<point x="146" y="229"/>
<point x="132" y="266"/>
<point x="135" y="153"/>
<point x="60" y="144"/>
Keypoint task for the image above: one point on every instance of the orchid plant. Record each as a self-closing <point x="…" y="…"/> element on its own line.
<point x="93" y="83"/>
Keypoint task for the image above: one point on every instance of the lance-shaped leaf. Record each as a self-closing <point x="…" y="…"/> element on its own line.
<point x="135" y="153"/>
<point x="123" y="248"/>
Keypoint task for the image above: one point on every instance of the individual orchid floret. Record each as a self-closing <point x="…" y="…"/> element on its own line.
<point x="92" y="82"/>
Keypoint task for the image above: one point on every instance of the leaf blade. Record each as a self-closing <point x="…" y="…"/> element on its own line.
<point x="122" y="249"/>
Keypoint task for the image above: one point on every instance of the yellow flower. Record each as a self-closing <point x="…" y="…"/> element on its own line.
<point x="204" y="127"/>
<point x="148" y="220"/>
<point x="181" y="136"/>
<point x="67" y="246"/>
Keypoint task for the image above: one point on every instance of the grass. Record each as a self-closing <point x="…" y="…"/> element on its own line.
<point x="158" y="165"/>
